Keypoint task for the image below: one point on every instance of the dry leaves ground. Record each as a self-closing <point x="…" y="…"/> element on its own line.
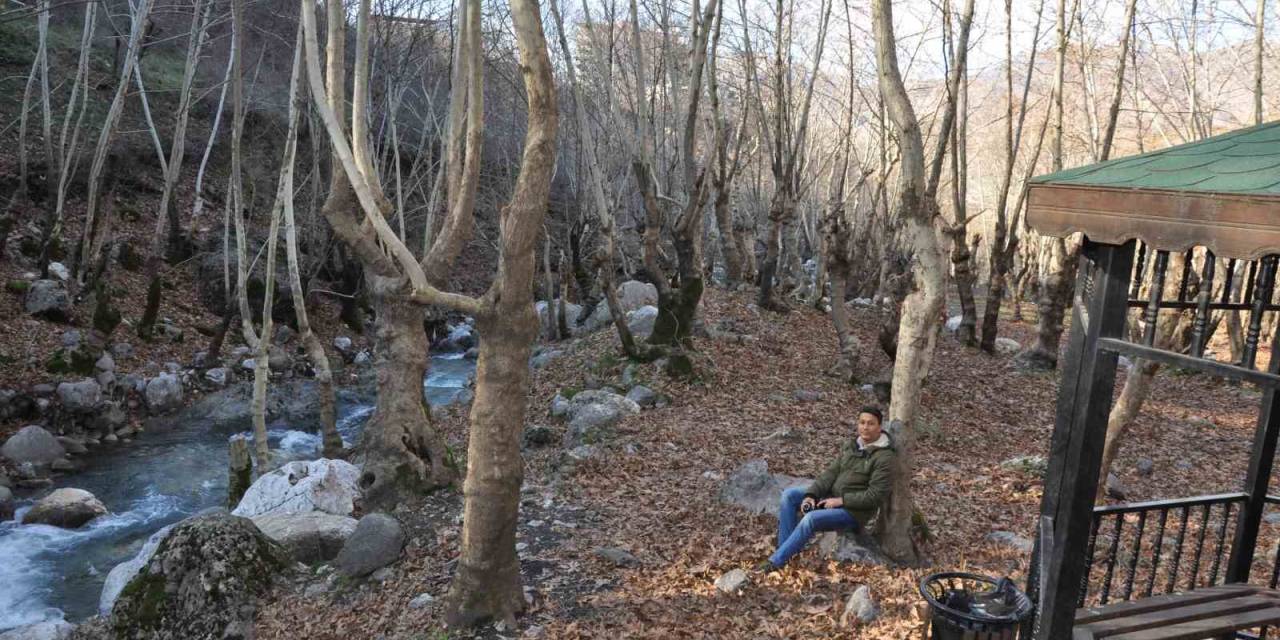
<point x="653" y="491"/>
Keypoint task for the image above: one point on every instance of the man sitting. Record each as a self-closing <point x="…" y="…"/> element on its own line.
<point x="846" y="495"/>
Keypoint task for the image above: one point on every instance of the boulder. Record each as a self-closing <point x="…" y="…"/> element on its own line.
<point x="343" y="344"/>
<point x="421" y="600"/>
<point x="6" y="504"/>
<point x="641" y="321"/>
<point x="1030" y="464"/>
<point x="331" y="486"/>
<point x="860" y="609"/>
<point x="70" y="339"/>
<point x="67" y="508"/>
<point x="1007" y="346"/>
<point x="284" y="334"/>
<point x="122" y="350"/>
<point x="617" y="556"/>
<point x="110" y="418"/>
<point x="571" y="311"/>
<point x="48" y="299"/>
<point x="731" y="582"/>
<point x="634" y="294"/>
<point x="80" y="397"/>
<point x="544" y="357"/>
<point x="216" y="376"/>
<point x="752" y="486"/>
<point x="851" y="546"/>
<point x="643" y="396"/>
<point x="48" y="630"/>
<point x="73" y="446"/>
<point x="1146" y="466"/>
<point x="164" y="393"/>
<point x="1011" y="540"/>
<point x="309" y="537"/>
<point x="599" y="318"/>
<point x="583" y="399"/>
<point x="461" y="337"/>
<point x="59" y="271"/>
<point x="202" y="582"/>
<point x="376" y="542"/>
<point x="559" y="406"/>
<point x="1116" y="488"/>
<point x="591" y="423"/>
<point x="121" y="574"/>
<point x="34" y="445"/>
<point x="105" y="364"/>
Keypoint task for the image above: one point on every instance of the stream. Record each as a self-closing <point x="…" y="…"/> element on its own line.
<point x="168" y="473"/>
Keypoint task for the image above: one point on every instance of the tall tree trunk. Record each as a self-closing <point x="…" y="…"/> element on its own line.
<point x="487" y="583"/>
<point x="921" y="311"/>
<point x="728" y="239"/>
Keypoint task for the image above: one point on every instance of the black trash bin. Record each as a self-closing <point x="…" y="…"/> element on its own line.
<point x="968" y="606"/>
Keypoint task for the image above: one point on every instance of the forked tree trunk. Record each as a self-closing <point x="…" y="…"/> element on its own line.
<point x="401" y="453"/>
<point x="779" y="214"/>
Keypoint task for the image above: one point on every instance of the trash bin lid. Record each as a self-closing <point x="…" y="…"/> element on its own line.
<point x="935" y="589"/>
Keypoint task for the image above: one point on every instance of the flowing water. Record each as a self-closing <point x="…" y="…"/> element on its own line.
<point x="167" y="474"/>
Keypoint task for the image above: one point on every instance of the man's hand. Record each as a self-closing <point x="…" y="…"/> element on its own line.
<point x="831" y="503"/>
<point x="807" y="504"/>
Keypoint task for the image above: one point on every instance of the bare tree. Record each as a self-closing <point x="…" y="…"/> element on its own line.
<point x="69" y="150"/>
<point x="167" y="213"/>
<point x="922" y="307"/>
<point x="1005" y="241"/>
<point x="95" y="230"/>
<point x="786" y="136"/>
<point x="604" y="211"/>
<point x="1061" y="254"/>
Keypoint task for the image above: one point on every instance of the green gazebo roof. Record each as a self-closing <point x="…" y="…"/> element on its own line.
<point x="1221" y="192"/>
<point x="1245" y="161"/>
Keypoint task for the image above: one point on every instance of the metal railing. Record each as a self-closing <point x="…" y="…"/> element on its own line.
<point x="1164" y="546"/>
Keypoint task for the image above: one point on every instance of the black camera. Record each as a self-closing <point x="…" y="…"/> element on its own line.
<point x="806" y="507"/>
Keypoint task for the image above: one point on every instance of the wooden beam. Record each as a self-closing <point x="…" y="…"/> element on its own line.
<point x="1084" y="401"/>
<point x="1211" y="367"/>
<point x="1257" y="482"/>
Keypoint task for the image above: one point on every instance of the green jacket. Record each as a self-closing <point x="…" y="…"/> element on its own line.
<point x="860" y="477"/>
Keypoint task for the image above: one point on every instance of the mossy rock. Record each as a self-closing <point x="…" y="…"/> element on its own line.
<point x="203" y="581"/>
<point x="17" y="286"/>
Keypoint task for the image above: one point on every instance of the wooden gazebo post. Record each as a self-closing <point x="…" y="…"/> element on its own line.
<point x="1261" y="459"/>
<point x="1084" y="401"/>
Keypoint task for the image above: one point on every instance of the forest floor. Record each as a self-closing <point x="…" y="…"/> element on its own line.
<point x="653" y="491"/>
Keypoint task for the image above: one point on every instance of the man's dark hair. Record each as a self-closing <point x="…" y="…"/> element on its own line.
<point x="873" y="410"/>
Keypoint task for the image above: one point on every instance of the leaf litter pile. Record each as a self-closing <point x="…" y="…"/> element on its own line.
<point x="629" y="542"/>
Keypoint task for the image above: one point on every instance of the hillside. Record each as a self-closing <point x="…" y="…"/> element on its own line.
<point x="653" y="491"/>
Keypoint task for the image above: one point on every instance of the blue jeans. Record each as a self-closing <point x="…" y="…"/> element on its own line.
<point x="793" y="535"/>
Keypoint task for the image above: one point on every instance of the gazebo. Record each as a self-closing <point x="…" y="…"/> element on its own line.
<point x="1178" y="568"/>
